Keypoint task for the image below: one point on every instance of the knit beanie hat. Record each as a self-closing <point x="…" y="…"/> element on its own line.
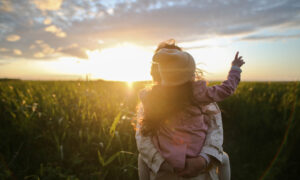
<point x="175" y="67"/>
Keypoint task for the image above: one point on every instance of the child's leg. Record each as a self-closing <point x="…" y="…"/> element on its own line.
<point x="224" y="169"/>
<point x="144" y="171"/>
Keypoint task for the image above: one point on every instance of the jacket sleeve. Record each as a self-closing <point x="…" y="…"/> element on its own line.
<point x="214" y="137"/>
<point x="206" y="94"/>
<point x="146" y="148"/>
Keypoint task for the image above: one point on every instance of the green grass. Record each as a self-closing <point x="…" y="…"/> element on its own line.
<point x="83" y="130"/>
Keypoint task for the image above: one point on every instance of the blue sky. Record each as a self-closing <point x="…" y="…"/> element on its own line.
<point x="37" y="34"/>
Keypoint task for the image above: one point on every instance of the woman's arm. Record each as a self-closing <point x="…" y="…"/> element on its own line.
<point x="214" y="137"/>
<point x="205" y="94"/>
<point x="146" y="148"/>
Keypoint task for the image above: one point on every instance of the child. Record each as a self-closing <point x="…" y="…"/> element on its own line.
<point x="175" y="110"/>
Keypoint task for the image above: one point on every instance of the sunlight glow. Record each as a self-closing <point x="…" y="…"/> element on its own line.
<point x="123" y="62"/>
<point x="129" y="62"/>
<point x="130" y="84"/>
<point x="126" y="62"/>
<point x="211" y="55"/>
<point x="212" y="59"/>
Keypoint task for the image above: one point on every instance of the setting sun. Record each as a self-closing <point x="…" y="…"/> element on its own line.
<point x="122" y="62"/>
<point x="126" y="62"/>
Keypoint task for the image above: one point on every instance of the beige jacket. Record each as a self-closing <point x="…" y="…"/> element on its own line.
<point x="153" y="160"/>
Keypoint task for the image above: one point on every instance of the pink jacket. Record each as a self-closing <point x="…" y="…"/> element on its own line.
<point x="185" y="134"/>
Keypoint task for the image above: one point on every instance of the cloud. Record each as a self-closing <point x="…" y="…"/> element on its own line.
<point x="75" y="51"/>
<point x="13" y="38"/>
<point x="47" y="21"/>
<point x="39" y="55"/>
<point x="270" y="37"/>
<point x="5" y="5"/>
<point x="44" y="29"/>
<point x="47" y="4"/>
<point x="55" y="30"/>
<point x="110" y="11"/>
<point x="17" y="52"/>
<point x="42" y="49"/>
<point x="3" y="50"/>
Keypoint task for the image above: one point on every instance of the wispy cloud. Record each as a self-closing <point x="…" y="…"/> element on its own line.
<point x="270" y="37"/>
<point x="58" y="25"/>
<point x="47" y="4"/>
<point x="13" y="38"/>
<point x="55" y="30"/>
<point x="6" y="6"/>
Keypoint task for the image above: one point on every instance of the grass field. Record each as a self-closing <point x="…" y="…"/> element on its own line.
<point x="83" y="130"/>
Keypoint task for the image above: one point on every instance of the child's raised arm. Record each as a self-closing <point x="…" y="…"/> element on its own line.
<point x="205" y="94"/>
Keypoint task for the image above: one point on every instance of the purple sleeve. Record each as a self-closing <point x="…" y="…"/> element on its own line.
<point x="205" y="94"/>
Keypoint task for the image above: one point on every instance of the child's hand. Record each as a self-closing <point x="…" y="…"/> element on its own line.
<point x="238" y="60"/>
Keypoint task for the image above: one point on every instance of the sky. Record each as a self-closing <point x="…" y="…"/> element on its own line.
<point x="115" y="39"/>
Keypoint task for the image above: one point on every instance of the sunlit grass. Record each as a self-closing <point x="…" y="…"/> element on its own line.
<point x="84" y="130"/>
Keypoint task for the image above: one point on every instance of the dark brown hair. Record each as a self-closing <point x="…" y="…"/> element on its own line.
<point x="161" y="101"/>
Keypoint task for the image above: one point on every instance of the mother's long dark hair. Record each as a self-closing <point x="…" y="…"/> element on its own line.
<point x="161" y="101"/>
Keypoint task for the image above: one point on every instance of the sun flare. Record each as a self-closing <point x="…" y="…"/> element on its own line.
<point x="130" y="83"/>
<point x="126" y="62"/>
<point x="123" y="62"/>
<point x="129" y="62"/>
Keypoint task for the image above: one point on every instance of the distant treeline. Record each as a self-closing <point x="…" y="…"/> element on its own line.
<point x="8" y="79"/>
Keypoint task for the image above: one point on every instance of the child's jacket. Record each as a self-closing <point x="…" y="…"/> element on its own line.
<point x="185" y="133"/>
<point x="151" y="162"/>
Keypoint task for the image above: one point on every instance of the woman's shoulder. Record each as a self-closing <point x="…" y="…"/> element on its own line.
<point x="211" y="108"/>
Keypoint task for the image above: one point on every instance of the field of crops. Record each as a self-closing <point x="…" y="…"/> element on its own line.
<point x="83" y="130"/>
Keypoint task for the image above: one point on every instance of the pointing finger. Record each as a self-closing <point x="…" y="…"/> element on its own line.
<point x="236" y="55"/>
